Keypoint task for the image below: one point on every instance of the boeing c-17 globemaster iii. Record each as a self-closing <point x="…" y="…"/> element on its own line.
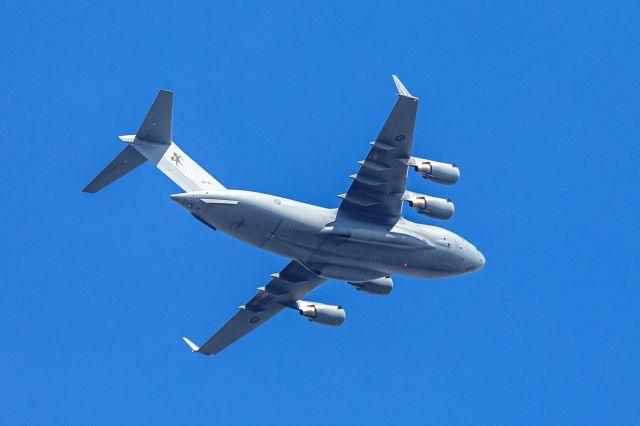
<point x="364" y="241"/>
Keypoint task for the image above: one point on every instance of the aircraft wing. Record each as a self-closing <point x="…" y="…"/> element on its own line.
<point x="284" y="290"/>
<point x="377" y="189"/>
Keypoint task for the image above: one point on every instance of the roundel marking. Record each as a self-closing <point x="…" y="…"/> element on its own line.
<point x="254" y="320"/>
<point x="399" y="138"/>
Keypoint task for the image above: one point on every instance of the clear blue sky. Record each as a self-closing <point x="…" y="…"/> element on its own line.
<point x="537" y="102"/>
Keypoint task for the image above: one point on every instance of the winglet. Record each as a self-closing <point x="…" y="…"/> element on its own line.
<point x="402" y="91"/>
<point x="193" y="346"/>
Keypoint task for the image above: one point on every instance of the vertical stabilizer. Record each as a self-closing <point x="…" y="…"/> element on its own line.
<point x="153" y="142"/>
<point x="157" y="125"/>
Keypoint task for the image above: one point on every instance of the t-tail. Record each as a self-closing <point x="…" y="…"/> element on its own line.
<point x="153" y="142"/>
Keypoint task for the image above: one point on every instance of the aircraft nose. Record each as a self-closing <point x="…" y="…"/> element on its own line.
<point x="475" y="260"/>
<point x="480" y="260"/>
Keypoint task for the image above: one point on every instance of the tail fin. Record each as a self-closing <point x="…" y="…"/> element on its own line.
<point x="157" y="126"/>
<point x="153" y="142"/>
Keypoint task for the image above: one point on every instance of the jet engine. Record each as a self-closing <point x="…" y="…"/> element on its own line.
<point x="380" y="286"/>
<point x="439" y="208"/>
<point x="444" y="173"/>
<point x="322" y="314"/>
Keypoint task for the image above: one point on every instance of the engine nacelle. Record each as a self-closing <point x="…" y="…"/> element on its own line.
<point x="439" y="208"/>
<point x="380" y="286"/>
<point x="322" y="314"/>
<point x="444" y="173"/>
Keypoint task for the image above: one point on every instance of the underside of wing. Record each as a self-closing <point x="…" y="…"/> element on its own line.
<point x="377" y="189"/>
<point x="284" y="290"/>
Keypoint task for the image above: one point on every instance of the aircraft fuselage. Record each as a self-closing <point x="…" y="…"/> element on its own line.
<point x="344" y="249"/>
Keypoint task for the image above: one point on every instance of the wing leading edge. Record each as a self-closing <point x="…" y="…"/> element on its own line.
<point x="375" y="195"/>
<point x="377" y="189"/>
<point x="284" y="290"/>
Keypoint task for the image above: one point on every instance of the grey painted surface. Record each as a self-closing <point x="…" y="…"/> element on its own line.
<point x="365" y="241"/>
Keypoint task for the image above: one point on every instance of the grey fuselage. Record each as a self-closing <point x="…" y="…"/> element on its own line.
<point x="344" y="249"/>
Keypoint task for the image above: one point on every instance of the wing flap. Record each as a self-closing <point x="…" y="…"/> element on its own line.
<point x="375" y="193"/>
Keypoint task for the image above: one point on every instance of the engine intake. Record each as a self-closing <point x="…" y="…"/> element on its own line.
<point x="322" y="314"/>
<point x="439" y="208"/>
<point x="443" y="173"/>
<point x="380" y="286"/>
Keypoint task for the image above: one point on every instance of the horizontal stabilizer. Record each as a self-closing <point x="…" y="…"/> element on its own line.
<point x="156" y="126"/>
<point x="128" y="159"/>
<point x="153" y="143"/>
<point x="193" y="346"/>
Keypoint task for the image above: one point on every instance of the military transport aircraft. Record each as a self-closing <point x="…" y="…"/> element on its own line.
<point x="363" y="242"/>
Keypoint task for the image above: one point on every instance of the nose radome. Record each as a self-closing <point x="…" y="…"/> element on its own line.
<point x="480" y="261"/>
